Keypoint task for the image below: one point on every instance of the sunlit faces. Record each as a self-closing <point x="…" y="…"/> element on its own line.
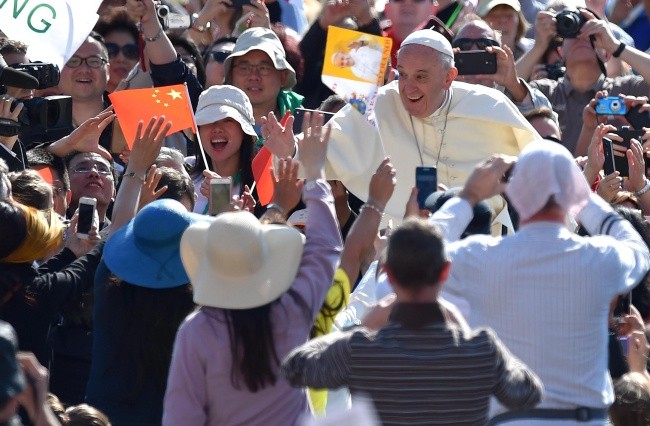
<point x="214" y="72"/>
<point x="222" y="140"/>
<point x="255" y="74"/>
<point x="406" y="15"/>
<point x="91" y="176"/>
<point x="505" y="19"/>
<point x="123" y="55"/>
<point x="423" y="79"/>
<point x="84" y="83"/>
<point x="577" y="50"/>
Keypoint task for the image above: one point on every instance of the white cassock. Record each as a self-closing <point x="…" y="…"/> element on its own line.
<point x="366" y="63"/>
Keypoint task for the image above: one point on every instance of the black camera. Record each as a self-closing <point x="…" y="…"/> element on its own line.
<point x="569" y="23"/>
<point x="47" y="74"/>
<point x="44" y="115"/>
<point x="172" y="21"/>
<point x="555" y="70"/>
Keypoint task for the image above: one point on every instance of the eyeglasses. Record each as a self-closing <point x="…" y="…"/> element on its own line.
<point x="100" y="168"/>
<point x="246" y="69"/>
<point x="219" y="55"/>
<point x="91" y="61"/>
<point x="467" y="43"/>
<point x="130" y="51"/>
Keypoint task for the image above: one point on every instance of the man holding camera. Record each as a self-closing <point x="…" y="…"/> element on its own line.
<point x="588" y="44"/>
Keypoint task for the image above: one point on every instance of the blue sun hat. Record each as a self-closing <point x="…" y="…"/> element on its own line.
<point x="146" y="251"/>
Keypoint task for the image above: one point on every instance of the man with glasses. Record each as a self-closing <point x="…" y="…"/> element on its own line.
<point x="475" y="35"/>
<point x="91" y="175"/>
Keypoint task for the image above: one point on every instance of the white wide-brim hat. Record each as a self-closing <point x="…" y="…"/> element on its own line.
<point x="219" y="102"/>
<point x="235" y="262"/>
<point x="263" y="39"/>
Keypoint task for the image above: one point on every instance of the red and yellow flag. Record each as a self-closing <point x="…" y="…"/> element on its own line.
<point x="135" y="105"/>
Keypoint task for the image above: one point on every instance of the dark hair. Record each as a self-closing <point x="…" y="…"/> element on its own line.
<point x="85" y="415"/>
<point x="117" y="19"/>
<point x="179" y="185"/>
<point x="252" y="347"/>
<point x="94" y="35"/>
<point x="631" y="403"/>
<point x="246" y="154"/>
<point x="291" y="49"/>
<point x="416" y="254"/>
<point x="13" y="228"/>
<point x="111" y="163"/>
<point x="541" y="112"/>
<point x="148" y="335"/>
<point x="189" y="45"/>
<point x="332" y="103"/>
<point x="8" y="46"/>
<point x="29" y="188"/>
<point x="39" y="157"/>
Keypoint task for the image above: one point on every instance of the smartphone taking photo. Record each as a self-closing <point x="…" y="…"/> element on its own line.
<point x="475" y="62"/>
<point x="426" y="181"/>
<point x="87" y="207"/>
<point x="220" y="190"/>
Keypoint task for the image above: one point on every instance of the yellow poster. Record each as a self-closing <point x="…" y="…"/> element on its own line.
<point x="354" y="65"/>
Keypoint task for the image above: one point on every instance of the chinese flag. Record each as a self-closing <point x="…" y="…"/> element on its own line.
<point x="135" y="105"/>
<point x="261" y="166"/>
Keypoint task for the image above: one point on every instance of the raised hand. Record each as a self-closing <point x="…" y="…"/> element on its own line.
<point x="147" y="144"/>
<point x="278" y="139"/>
<point x="149" y="192"/>
<point x="287" y="188"/>
<point x="382" y="184"/>
<point x="258" y="14"/>
<point x="313" y="146"/>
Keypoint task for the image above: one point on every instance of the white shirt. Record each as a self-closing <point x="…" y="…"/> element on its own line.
<point x="546" y="292"/>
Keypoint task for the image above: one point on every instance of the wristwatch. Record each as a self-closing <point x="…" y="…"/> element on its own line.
<point x="643" y="190"/>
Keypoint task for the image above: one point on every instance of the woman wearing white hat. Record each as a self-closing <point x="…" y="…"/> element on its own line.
<point x="259" y="289"/>
<point x="224" y="116"/>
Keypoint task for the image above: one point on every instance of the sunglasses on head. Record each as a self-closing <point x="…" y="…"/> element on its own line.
<point x="130" y="51"/>
<point x="466" y="44"/>
<point x="219" y="55"/>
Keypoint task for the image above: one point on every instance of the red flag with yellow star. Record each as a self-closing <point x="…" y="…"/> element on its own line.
<point x="134" y="105"/>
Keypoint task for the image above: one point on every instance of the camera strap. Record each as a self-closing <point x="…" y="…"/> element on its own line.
<point x="601" y="64"/>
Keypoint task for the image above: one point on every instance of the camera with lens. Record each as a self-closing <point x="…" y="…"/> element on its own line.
<point x="569" y="23"/>
<point x="44" y="118"/>
<point x="172" y="21"/>
<point x="555" y="70"/>
<point x="47" y="74"/>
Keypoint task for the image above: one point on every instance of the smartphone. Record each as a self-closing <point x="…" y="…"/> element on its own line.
<point x="627" y="134"/>
<point x="220" y="190"/>
<point x="426" y="180"/>
<point x="608" y="150"/>
<point x="87" y="207"/>
<point x="638" y="119"/>
<point x="475" y="62"/>
<point x="611" y="105"/>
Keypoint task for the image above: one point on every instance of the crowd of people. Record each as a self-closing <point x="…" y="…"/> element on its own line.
<point x="515" y="291"/>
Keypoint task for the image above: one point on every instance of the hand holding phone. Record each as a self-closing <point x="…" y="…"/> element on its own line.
<point x="608" y="150"/>
<point x="87" y="209"/>
<point x="426" y="181"/>
<point x="220" y="190"/>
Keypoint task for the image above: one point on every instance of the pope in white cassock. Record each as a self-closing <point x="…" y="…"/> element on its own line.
<point x="423" y="119"/>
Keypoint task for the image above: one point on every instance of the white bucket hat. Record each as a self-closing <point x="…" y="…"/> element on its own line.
<point x="263" y="39"/>
<point x="485" y="6"/>
<point x="219" y="102"/>
<point x="235" y="262"/>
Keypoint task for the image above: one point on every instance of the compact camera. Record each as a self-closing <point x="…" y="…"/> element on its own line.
<point x="47" y="74"/>
<point x="555" y="70"/>
<point x="569" y="23"/>
<point x="172" y="21"/>
<point x="611" y="105"/>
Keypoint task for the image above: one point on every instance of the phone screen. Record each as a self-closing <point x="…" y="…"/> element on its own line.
<point x="219" y="196"/>
<point x="608" y="151"/>
<point x="426" y="180"/>
<point x="476" y="62"/>
<point x="86" y="213"/>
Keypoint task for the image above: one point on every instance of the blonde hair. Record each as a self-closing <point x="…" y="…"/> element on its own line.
<point x="42" y="236"/>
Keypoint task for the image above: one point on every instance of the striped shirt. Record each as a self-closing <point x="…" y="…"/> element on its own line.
<point x="419" y="369"/>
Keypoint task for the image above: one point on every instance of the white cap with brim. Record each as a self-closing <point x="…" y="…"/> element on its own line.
<point x="486" y="6"/>
<point x="263" y="39"/>
<point x="219" y="102"/>
<point x="429" y="38"/>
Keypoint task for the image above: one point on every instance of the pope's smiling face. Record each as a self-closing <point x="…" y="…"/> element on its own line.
<point x="423" y="79"/>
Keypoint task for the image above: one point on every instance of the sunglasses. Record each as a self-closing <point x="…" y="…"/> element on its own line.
<point x="130" y="51"/>
<point x="219" y="55"/>
<point x="466" y="44"/>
